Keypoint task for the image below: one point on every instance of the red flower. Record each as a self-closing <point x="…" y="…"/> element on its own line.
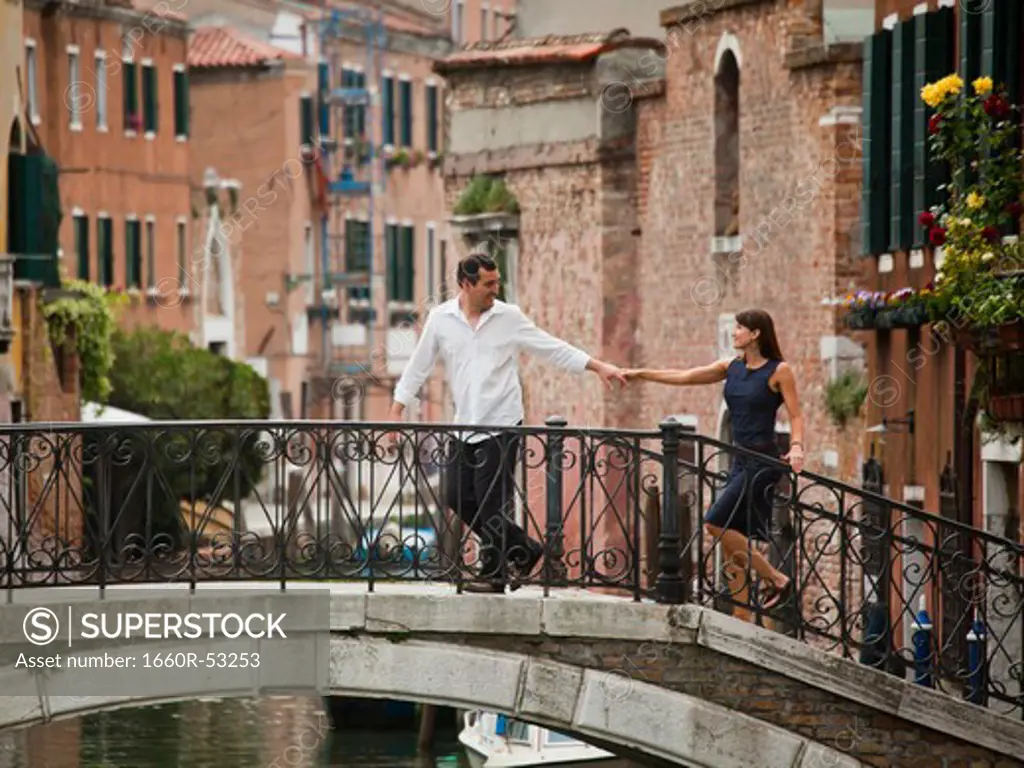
<point x="935" y="123"/>
<point x="990" y="233"/>
<point x="926" y="219"/>
<point x="1015" y="209"/>
<point x="996" y="106"/>
<point x="937" y="236"/>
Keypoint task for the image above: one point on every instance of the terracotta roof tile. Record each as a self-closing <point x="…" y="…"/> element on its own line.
<point x="552" y="49"/>
<point x="227" y="47"/>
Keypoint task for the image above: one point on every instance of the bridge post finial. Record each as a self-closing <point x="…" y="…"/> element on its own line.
<point x="670" y="586"/>
<point x="554" y="567"/>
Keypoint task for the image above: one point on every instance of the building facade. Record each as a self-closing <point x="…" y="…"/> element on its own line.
<point x="950" y="462"/>
<point x="106" y="93"/>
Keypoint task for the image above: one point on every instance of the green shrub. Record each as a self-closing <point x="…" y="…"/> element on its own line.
<point x="844" y="397"/>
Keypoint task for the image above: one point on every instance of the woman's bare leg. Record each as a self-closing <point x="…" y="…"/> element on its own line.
<point x="737" y="560"/>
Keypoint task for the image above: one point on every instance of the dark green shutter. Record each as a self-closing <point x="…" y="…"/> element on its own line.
<point x="391" y="252"/>
<point x="933" y="59"/>
<point x="407" y="269"/>
<point x="149" y="99"/>
<point x="901" y="202"/>
<point x="131" y="96"/>
<point x="181" y="104"/>
<point x="105" y="249"/>
<point x="305" y="120"/>
<point x="361" y="109"/>
<point x="389" y="110"/>
<point x="432" y="118"/>
<point x="875" y="186"/>
<point x="323" y="85"/>
<point x="969" y="38"/>
<point x="405" y="94"/>
<point x="82" y="246"/>
<point x="34" y="213"/>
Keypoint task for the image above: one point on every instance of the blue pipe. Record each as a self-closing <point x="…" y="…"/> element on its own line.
<point x="922" y="638"/>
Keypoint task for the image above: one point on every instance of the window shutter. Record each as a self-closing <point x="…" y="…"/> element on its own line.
<point x="389" y="110"/>
<point x="969" y="38"/>
<point x="149" y="95"/>
<point x="408" y="268"/>
<point x="901" y="203"/>
<point x="391" y="252"/>
<point x="875" y="187"/>
<point x="131" y="96"/>
<point x="361" y="109"/>
<point x="181" y="104"/>
<point x="933" y="59"/>
<point x="324" y="84"/>
<point x="82" y="244"/>
<point x="306" y="120"/>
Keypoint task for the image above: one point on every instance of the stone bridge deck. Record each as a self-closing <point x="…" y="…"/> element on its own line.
<point x="678" y="685"/>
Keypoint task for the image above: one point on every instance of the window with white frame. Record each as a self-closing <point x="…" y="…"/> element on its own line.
<point x="458" y="12"/>
<point x="101" y="90"/>
<point x="431" y="239"/>
<point x="74" y="93"/>
<point x="31" y="92"/>
<point x="182" y="248"/>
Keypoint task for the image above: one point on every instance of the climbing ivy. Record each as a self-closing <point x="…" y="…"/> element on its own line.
<point x="89" y="312"/>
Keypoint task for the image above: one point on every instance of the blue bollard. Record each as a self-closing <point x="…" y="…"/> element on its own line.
<point x="977" y="682"/>
<point x="922" y="638"/>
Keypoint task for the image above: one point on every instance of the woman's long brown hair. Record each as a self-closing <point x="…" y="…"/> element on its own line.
<point x="767" y="341"/>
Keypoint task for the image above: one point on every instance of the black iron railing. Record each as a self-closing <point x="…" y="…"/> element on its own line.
<point x="916" y="594"/>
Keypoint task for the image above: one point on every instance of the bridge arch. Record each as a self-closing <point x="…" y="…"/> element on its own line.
<point x="611" y="711"/>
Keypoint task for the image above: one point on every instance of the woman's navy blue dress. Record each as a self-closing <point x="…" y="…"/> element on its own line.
<point x="745" y="504"/>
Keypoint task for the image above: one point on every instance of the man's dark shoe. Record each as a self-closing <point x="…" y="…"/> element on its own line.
<point x="485" y="588"/>
<point x="521" y="571"/>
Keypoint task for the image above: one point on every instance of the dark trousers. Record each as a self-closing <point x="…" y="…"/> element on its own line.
<point x="481" y="490"/>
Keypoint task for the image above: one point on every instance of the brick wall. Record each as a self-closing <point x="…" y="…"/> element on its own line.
<point x="50" y="393"/>
<point x="864" y="733"/>
<point x="106" y="169"/>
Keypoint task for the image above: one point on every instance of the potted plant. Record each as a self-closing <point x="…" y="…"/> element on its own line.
<point x="972" y="133"/>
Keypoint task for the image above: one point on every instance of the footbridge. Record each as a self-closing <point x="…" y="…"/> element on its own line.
<point x="900" y="640"/>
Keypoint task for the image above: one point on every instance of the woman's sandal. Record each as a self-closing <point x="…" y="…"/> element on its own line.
<point x="776" y="596"/>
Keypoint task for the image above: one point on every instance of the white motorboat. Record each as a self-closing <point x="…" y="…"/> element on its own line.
<point x="497" y="741"/>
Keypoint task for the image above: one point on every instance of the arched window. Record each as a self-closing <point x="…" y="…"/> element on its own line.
<point x="727" y="145"/>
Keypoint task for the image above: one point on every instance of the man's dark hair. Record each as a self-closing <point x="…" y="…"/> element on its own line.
<point x="469" y="268"/>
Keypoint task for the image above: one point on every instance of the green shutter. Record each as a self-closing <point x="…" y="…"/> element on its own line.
<point x="432" y="118"/>
<point x="389" y="110"/>
<point x="34" y="213"/>
<point x="969" y="38"/>
<point x="405" y="94"/>
<point x="391" y="253"/>
<point x="875" y="187"/>
<point x="361" y="109"/>
<point x="933" y="59"/>
<point x="901" y="202"/>
<point x="306" y="120"/>
<point x="131" y="96"/>
<point x="82" y="246"/>
<point x="1000" y="45"/>
<point x="149" y="99"/>
<point x="105" y="250"/>
<point x="407" y="268"/>
<point x="181" y="104"/>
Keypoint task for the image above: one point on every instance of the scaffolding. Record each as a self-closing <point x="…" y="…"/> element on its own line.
<point x="346" y="104"/>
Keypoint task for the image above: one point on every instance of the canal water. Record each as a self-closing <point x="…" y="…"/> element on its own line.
<point x="269" y="732"/>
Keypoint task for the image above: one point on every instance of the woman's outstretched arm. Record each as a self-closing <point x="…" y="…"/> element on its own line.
<point x="707" y="374"/>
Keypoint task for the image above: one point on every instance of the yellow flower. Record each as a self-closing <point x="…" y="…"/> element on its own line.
<point x="988" y="256"/>
<point x="982" y="85"/>
<point x="974" y="200"/>
<point x="934" y="93"/>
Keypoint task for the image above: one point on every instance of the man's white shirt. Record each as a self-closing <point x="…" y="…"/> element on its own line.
<point x="482" y="364"/>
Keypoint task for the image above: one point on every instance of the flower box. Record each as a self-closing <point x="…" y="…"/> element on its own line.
<point x="1006" y="407"/>
<point x="861" y="319"/>
<point x="913" y="316"/>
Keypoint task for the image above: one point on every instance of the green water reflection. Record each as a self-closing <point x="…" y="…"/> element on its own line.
<point x="270" y="732"/>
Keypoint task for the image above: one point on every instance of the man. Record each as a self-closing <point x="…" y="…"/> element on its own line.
<point x="479" y="338"/>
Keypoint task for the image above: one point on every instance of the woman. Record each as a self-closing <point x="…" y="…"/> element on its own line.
<point x="757" y="382"/>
